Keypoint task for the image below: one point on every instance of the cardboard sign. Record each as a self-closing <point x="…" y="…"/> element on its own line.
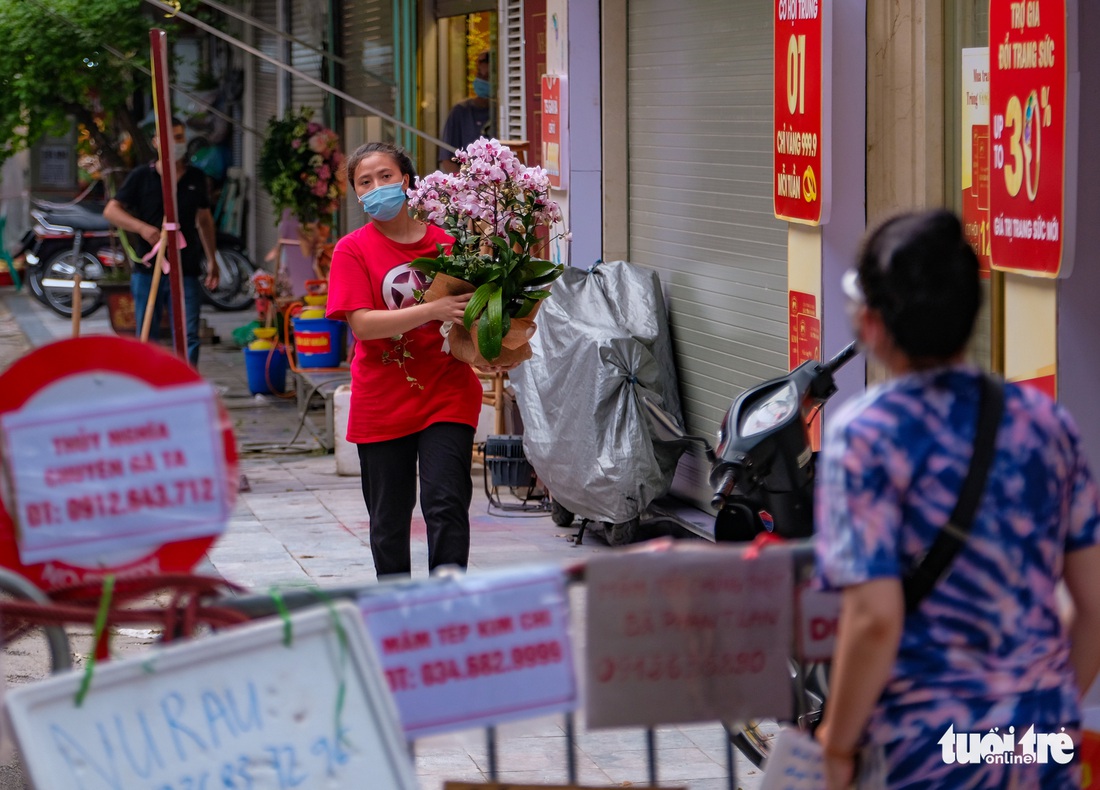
<point x="117" y="459"/>
<point x="476" y="650"/>
<point x="692" y="634"/>
<point x="801" y="177"/>
<point x="238" y="709"/>
<point x="1029" y="106"/>
<point x="818" y="614"/>
<point x="795" y="763"/>
<point x="131" y="471"/>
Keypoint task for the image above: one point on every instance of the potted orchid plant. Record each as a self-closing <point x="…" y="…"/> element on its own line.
<point x="300" y="166"/>
<point x="501" y="216"/>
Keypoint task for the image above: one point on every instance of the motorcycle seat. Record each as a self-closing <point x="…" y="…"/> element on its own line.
<point x="77" y="218"/>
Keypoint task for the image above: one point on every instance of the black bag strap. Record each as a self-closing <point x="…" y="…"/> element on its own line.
<point x="953" y="535"/>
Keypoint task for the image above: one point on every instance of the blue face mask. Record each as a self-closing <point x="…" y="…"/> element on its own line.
<point x="481" y="88"/>
<point x="385" y="202"/>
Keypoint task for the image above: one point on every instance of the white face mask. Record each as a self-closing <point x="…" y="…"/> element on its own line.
<point x="179" y="152"/>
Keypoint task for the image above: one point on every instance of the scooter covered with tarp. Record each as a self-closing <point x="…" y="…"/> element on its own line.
<point x="603" y="345"/>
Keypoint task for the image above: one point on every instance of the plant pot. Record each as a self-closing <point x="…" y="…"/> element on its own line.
<point x="445" y="285"/>
<point x="120" y="310"/>
<point x="515" y="347"/>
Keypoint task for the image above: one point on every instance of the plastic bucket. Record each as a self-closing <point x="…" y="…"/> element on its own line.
<point x="260" y="372"/>
<point x="317" y="342"/>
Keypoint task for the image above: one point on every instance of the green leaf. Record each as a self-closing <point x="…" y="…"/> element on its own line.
<point x="477" y="303"/>
<point x="489" y="328"/>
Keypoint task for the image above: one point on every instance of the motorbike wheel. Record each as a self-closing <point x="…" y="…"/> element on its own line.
<point x="620" y="534"/>
<point x="64" y="267"/>
<point x="234" y="292"/>
<point x="753" y="738"/>
<point x="559" y="515"/>
<point x="46" y="252"/>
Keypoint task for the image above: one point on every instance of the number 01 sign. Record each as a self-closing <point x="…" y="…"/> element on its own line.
<point x="1030" y="99"/>
<point x="800" y="182"/>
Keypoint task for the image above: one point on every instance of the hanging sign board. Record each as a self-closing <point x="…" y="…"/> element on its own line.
<point x="1032" y="108"/>
<point x="475" y="651"/>
<point x="117" y="458"/>
<point x="126" y="471"/>
<point x="802" y="99"/>
<point x="688" y="635"/>
<point x="242" y="708"/>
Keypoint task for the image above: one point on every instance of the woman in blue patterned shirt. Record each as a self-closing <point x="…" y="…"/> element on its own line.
<point x="988" y="669"/>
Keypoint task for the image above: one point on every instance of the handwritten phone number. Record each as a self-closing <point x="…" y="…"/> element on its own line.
<point x="283" y="763"/>
<point x="670" y="666"/>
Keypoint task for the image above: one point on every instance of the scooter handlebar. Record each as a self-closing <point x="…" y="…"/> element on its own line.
<point x="841" y="359"/>
<point x="724" y="488"/>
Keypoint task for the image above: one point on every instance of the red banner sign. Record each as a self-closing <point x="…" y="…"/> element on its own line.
<point x="1028" y="98"/>
<point x="553" y="138"/>
<point x="800" y="163"/>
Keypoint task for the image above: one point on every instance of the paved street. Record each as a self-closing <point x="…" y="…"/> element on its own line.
<point x="300" y="523"/>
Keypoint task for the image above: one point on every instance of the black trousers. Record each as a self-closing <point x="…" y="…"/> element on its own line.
<point x="389" y="472"/>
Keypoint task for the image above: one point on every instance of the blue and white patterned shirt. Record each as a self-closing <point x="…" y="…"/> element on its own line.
<point x="987" y="647"/>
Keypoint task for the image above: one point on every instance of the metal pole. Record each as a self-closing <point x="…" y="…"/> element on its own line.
<point x="158" y="44"/>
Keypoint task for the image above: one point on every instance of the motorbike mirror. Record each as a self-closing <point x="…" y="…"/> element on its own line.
<point x="667" y="429"/>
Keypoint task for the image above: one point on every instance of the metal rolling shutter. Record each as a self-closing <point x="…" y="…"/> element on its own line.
<point x="266" y="93"/>
<point x="700" y="205"/>
<point x="513" y="121"/>
<point x="307" y="23"/>
<point x="367" y="35"/>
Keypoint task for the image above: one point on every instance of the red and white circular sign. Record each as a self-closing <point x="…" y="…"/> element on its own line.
<point x="118" y="458"/>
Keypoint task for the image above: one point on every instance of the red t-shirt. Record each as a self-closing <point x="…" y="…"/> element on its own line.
<point x="372" y="271"/>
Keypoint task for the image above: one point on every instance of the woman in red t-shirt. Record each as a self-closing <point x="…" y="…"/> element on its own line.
<point x="412" y="404"/>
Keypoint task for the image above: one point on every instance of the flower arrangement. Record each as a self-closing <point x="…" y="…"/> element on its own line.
<point x="501" y="216"/>
<point x="300" y="167"/>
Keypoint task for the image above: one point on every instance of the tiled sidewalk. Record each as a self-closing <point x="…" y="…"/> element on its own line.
<point x="301" y="524"/>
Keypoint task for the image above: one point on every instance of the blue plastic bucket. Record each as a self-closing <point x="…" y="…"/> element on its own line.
<point x="260" y="372"/>
<point x="318" y="342"/>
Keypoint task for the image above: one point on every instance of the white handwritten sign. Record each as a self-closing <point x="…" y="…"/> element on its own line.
<point x="818" y="613"/>
<point x="240" y="709"/>
<point x="692" y="634"/>
<point x="795" y="763"/>
<point x="475" y="650"/>
<point x="133" y="470"/>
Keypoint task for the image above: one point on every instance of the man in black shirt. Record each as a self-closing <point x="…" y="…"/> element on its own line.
<point x="138" y="209"/>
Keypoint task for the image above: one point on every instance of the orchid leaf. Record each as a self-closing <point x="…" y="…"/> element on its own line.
<point x="525" y="309"/>
<point x="489" y="334"/>
<point x="477" y="303"/>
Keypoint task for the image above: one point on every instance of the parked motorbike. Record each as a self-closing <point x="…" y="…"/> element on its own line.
<point x="762" y="471"/>
<point x="762" y="476"/>
<point x="67" y="239"/>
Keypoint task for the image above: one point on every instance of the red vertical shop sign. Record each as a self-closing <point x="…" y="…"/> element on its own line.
<point x="553" y="130"/>
<point x="1028" y="100"/>
<point x="805" y="341"/>
<point x="801" y="100"/>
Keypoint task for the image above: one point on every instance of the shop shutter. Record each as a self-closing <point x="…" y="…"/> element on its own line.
<point x="513" y="123"/>
<point x="367" y="42"/>
<point x="700" y="206"/>
<point x="266" y="96"/>
<point x="308" y="24"/>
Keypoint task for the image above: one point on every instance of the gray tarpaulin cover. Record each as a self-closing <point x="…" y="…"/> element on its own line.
<point x="602" y="339"/>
